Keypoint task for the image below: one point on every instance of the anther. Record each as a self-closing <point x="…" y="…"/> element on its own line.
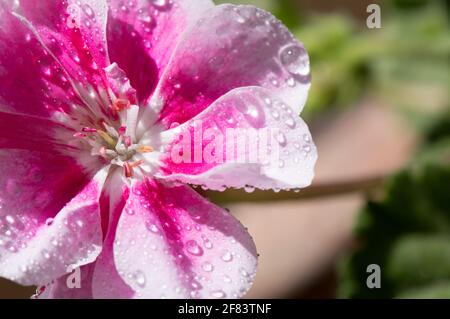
<point x="89" y="130"/>
<point x="145" y="149"/>
<point x="120" y="105"/>
<point x="128" y="170"/>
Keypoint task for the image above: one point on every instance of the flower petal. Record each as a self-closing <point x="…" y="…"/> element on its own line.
<point x="106" y="281"/>
<point x="59" y="288"/>
<point x="31" y="81"/>
<point x="33" y="133"/>
<point x="171" y="242"/>
<point x="43" y="230"/>
<point x="248" y="137"/>
<point x="148" y="31"/>
<point x="74" y="33"/>
<point x="230" y="47"/>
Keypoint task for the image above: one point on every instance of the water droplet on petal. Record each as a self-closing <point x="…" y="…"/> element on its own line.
<point x="218" y="294"/>
<point x="227" y="257"/>
<point x="193" y="248"/>
<point x="281" y="139"/>
<point x="295" y="60"/>
<point x="249" y="189"/>
<point x="10" y="219"/>
<point x="139" y="278"/>
<point x="289" y="121"/>
<point x="208" y="267"/>
<point x="49" y="221"/>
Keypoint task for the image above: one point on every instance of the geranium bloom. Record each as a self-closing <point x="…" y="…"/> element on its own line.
<point x="93" y="97"/>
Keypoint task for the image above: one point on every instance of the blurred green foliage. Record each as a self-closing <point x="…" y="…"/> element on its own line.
<point x="405" y="63"/>
<point x="407" y="231"/>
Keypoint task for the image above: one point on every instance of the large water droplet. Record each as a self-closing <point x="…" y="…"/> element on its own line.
<point x="289" y="121"/>
<point x="253" y="113"/>
<point x="160" y="4"/>
<point x="295" y="59"/>
<point x="227" y="257"/>
<point x="193" y="248"/>
<point x="139" y="278"/>
<point x="249" y="189"/>
<point x="281" y="139"/>
<point x="88" y="10"/>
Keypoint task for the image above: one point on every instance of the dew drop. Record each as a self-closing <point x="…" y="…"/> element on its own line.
<point x="88" y="10"/>
<point x="249" y="189"/>
<point x="290" y="82"/>
<point x="295" y="60"/>
<point x="289" y="121"/>
<point x="208" y="267"/>
<point x="153" y="228"/>
<point x="49" y="221"/>
<point x="218" y="294"/>
<point x="193" y="248"/>
<point x="139" y="278"/>
<point x="227" y="257"/>
<point x="281" y="139"/>
<point x="10" y="219"/>
<point x="159" y="3"/>
<point x="275" y="114"/>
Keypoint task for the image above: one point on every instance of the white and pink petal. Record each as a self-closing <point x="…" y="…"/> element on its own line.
<point x="172" y="243"/>
<point x="231" y="47"/>
<point x="49" y="216"/>
<point x="247" y="138"/>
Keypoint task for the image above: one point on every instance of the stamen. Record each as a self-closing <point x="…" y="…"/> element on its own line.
<point x="137" y="163"/>
<point x="132" y="118"/>
<point x="108" y="139"/>
<point x="121" y="104"/>
<point x="102" y="151"/>
<point x="128" y="170"/>
<point x="79" y="135"/>
<point x="89" y="130"/>
<point x="127" y="141"/>
<point x="145" y="149"/>
<point x="122" y="130"/>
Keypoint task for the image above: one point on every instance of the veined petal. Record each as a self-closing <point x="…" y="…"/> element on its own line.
<point x="148" y="31"/>
<point x="43" y="229"/>
<point x="231" y="47"/>
<point x="171" y="242"/>
<point x="32" y="82"/>
<point x="74" y="32"/>
<point x="106" y="281"/>
<point x="248" y="137"/>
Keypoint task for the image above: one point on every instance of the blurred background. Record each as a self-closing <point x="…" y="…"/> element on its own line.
<point x="379" y="111"/>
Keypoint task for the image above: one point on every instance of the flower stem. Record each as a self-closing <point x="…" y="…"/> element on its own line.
<point x="318" y="190"/>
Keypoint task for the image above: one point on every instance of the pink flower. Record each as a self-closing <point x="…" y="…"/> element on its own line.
<point x="93" y="98"/>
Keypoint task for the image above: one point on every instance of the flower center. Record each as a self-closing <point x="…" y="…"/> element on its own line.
<point x="117" y="145"/>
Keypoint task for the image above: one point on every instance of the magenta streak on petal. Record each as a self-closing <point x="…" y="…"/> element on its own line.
<point x="31" y="81"/>
<point x="106" y="282"/>
<point x="32" y="133"/>
<point x="141" y="69"/>
<point x="166" y="208"/>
